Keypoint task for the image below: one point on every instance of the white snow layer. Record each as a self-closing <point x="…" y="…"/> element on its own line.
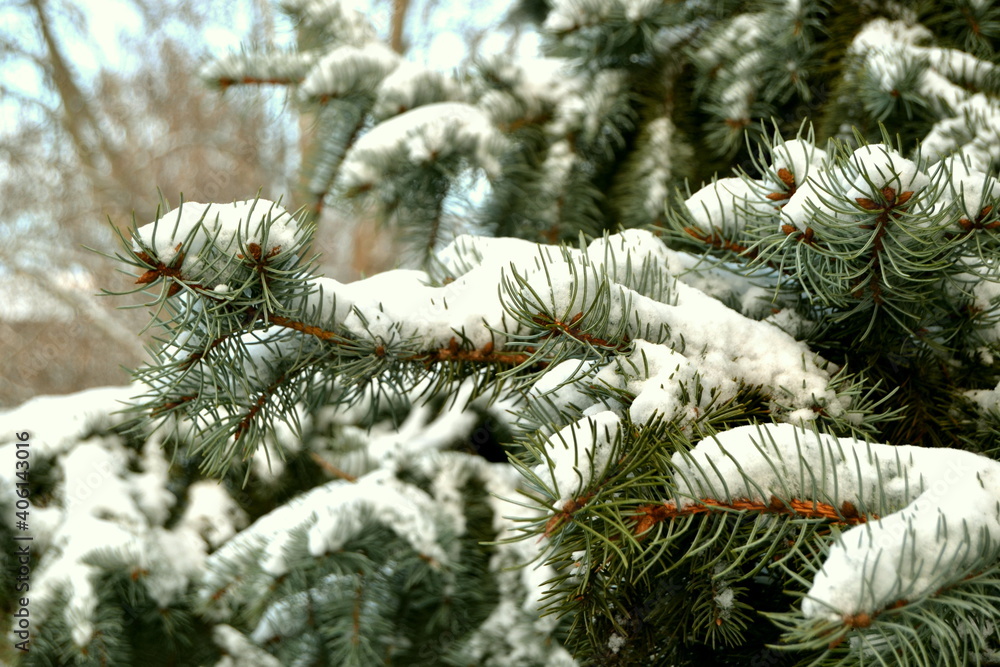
<point x="334" y="513"/>
<point x="799" y="157"/>
<point x="969" y="119"/>
<point x="64" y="420"/>
<point x="833" y="191"/>
<point x="657" y="165"/>
<point x="830" y="190"/>
<point x="111" y="500"/>
<point x="569" y="15"/>
<point x="349" y="70"/>
<point x="239" y="651"/>
<point x="206" y="241"/>
<point x="727" y="205"/>
<point x="577" y="454"/>
<point x="349" y="21"/>
<point x="939" y="508"/>
<point x="724" y="347"/>
<point x="730" y="205"/>
<point x="422" y="136"/>
<point x="408" y="83"/>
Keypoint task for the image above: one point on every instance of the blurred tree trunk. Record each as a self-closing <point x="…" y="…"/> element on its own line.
<point x="399" y="8"/>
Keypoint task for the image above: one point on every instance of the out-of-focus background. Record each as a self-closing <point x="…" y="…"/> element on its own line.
<point x="103" y="116"/>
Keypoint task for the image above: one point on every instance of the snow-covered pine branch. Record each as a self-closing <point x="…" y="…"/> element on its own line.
<point x="925" y="536"/>
<point x="689" y="403"/>
<point x="122" y="542"/>
<point x="925" y="520"/>
<point x="621" y="301"/>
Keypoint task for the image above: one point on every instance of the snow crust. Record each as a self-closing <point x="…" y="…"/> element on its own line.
<point x="833" y="191"/>
<point x="348" y="70"/>
<point x="239" y="651"/>
<point x="969" y="122"/>
<point x="577" y="454"/>
<point x="727" y="205"/>
<point x="566" y="16"/>
<point x="704" y="337"/>
<point x="527" y="88"/>
<point x="939" y="508"/>
<point x="349" y="20"/>
<point x="656" y="167"/>
<point x="732" y="205"/>
<point x="111" y="503"/>
<point x="90" y="410"/>
<point x="798" y="156"/>
<point x="878" y="166"/>
<point x="335" y="514"/>
<point x="408" y="86"/>
<point x="205" y="241"/>
<point x="968" y="190"/>
<point x="828" y="190"/>
<point x="422" y="136"/>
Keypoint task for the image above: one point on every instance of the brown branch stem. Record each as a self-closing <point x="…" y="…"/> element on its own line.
<point x="847" y="514"/>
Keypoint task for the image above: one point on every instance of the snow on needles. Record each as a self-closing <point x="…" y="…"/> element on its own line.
<point x="349" y="70"/>
<point x="969" y="119"/>
<point x="830" y="190"/>
<point x="111" y="503"/>
<point x="578" y="453"/>
<point x="421" y="136"/>
<point x="939" y="508"/>
<point x="91" y="410"/>
<point x="663" y="317"/>
<point x="834" y="190"/>
<point x="334" y="518"/>
<point x="206" y="241"/>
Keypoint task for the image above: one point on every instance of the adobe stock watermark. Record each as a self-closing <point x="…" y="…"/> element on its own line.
<point x="21" y="623"/>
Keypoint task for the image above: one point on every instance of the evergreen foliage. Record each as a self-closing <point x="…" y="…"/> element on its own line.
<point x="719" y="278"/>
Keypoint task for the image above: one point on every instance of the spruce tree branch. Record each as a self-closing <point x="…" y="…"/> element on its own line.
<point x="435" y="230"/>
<point x="483" y="355"/>
<point x="892" y="208"/>
<point x="172" y="405"/>
<point x="719" y="242"/>
<point x="557" y="328"/>
<point x="315" y="192"/>
<point x="863" y="620"/>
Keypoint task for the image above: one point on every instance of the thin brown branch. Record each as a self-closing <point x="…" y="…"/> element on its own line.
<point x="170" y="405"/>
<point x="226" y="82"/>
<point x="332" y="469"/>
<point x="892" y="208"/>
<point x="483" y="355"/>
<point x="262" y="399"/>
<point x="570" y="329"/>
<point x="719" y="242"/>
<point x="308" y="329"/>
<point x="847" y="514"/>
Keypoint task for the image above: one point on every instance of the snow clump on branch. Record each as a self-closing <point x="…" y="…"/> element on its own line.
<point x="204" y="243"/>
<point x="423" y="136"/>
<point x="939" y="509"/>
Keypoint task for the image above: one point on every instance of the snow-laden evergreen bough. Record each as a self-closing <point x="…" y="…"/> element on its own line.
<point x="756" y="427"/>
<point x="631" y="377"/>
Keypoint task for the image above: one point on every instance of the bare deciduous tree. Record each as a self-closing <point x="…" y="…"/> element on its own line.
<point x="87" y="146"/>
